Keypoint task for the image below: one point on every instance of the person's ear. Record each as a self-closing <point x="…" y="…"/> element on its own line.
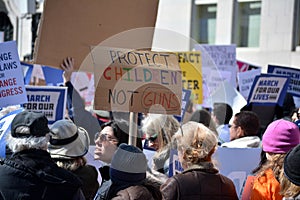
<point x="240" y="132"/>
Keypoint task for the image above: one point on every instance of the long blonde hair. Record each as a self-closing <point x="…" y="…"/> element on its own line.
<point x="287" y="188"/>
<point x="275" y="164"/>
<point x="165" y="126"/>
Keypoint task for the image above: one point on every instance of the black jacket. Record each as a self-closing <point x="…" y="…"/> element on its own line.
<point x="32" y="174"/>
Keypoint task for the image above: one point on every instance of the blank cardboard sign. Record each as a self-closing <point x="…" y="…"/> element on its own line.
<point x="73" y="27"/>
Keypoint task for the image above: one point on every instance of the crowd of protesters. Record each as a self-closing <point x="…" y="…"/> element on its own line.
<point x="48" y="162"/>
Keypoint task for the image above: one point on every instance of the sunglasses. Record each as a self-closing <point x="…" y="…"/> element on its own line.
<point x="104" y="137"/>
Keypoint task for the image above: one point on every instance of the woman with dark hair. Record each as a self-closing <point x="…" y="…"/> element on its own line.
<point x="113" y="134"/>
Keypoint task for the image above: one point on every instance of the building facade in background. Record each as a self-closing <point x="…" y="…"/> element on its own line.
<point x="264" y="31"/>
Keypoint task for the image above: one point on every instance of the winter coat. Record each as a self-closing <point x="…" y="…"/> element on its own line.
<point x="199" y="183"/>
<point x="244" y="142"/>
<point x="155" y="180"/>
<point x="134" y="193"/>
<point x="89" y="176"/>
<point x="32" y="174"/>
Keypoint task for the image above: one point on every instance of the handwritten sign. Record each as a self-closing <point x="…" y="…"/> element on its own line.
<point x="51" y="100"/>
<point x="12" y="88"/>
<point x="294" y="85"/>
<point x="190" y="64"/>
<point x="137" y="81"/>
<point x="245" y="81"/>
<point x="269" y="89"/>
<point x="219" y="57"/>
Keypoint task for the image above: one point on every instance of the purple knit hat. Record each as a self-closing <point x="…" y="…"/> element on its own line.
<point x="280" y="136"/>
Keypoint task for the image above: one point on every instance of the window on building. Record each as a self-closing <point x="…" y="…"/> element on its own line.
<point x="296" y="25"/>
<point x="6" y="27"/>
<point x="247" y="24"/>
<point x="204" y="23"/>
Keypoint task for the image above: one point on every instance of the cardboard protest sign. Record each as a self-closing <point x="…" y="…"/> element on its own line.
<point x="294" y="84"/>
<point x="12" y="88"/>
<point x="71" y="27"/>
<point x="137" y="81"/>
<point x="50" y="100"/>
<point x="5" y="123"/>
<point x="245" y="81"/>
<point x="269" y="89"/>
<point x="219" y="57"/>
<point x="190" y="64"/>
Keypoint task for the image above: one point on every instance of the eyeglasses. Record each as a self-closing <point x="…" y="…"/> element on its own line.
<point x="104" y="137"/>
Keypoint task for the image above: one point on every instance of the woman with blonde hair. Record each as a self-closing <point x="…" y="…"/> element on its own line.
<point x="159" y="130"/>
<point x="278" y="139"/>
<point x="200" y="179"/>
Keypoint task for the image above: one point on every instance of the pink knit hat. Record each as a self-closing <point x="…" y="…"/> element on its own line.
<point x="280" y="136"/>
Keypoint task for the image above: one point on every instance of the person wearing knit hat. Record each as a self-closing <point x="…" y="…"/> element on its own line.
<point x="290" y="175"/>
<point x="128" y="174"/>
<point x="67" y="146"/>
<point x="279" y="137"/>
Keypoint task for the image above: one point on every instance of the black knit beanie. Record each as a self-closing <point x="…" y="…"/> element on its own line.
<point x="292" y="165"/>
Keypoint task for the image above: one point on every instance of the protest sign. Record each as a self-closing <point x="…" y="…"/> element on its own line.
<point x="37" y="76"/>
<point x="184" y="105"/>
<point x="12" y="88"/>
<point x="220" y="58"/>
<point x="53" y="76"/>
<point x="227" y="94"/>
<point x="234" y="163"/>
<point x="245" y="81"/>
<point x="294" y="74"/>
<point x="71" y="27"/>
<point x="268" y="89"/>
<point x="237" y="164"/>
<point x="84" y="84"/>
<point x="27" y="71"/>
<point x="244" y="66"/>
<point x="137" y="81"/>
<point x="5" y="123"/>
<point x="190" y="64"/>
<point x="50" y="100"/>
